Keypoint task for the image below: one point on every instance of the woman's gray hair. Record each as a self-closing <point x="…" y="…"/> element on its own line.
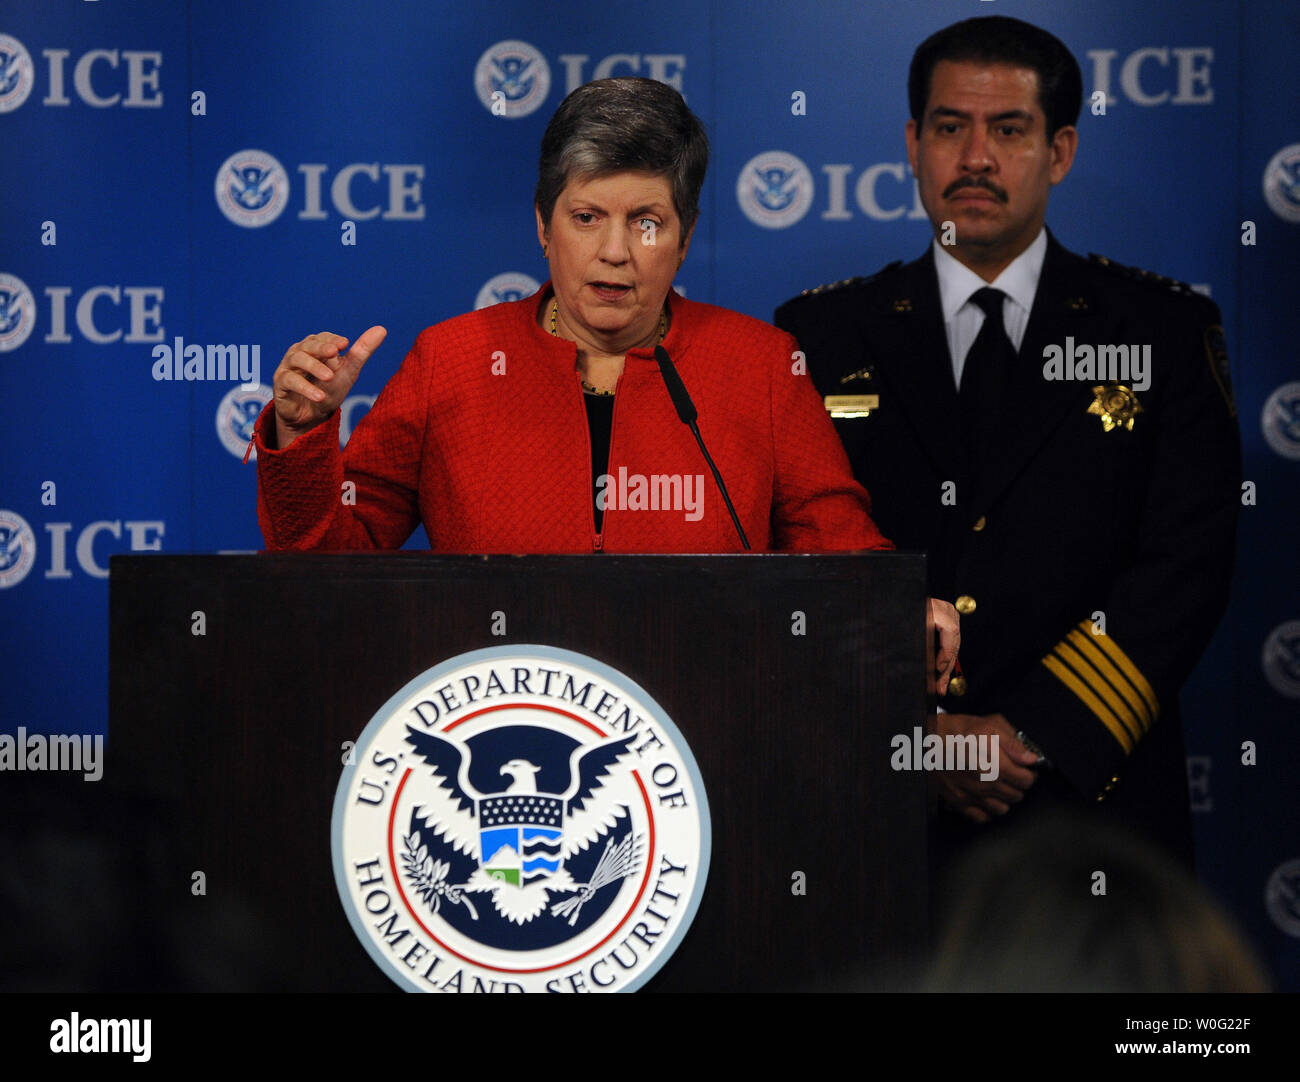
<point x="612" y="125"/>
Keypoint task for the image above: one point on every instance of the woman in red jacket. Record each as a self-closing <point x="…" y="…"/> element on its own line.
<point x="544" y="425"/>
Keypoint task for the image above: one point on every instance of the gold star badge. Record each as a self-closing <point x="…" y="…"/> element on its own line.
<point x="1116" y="405"/>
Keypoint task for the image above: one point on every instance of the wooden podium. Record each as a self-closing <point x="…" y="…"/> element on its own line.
<point x="235" y="682"/>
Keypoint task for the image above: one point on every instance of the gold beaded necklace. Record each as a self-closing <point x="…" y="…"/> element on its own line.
<point x="587" y="387"/>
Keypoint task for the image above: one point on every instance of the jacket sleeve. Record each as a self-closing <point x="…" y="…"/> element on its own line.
<point x="1105" y="683"/>
<point x="817" y="506"/>
<point x="314" y="496"/>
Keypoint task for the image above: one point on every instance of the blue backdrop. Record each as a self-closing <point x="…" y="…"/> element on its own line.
<point x="375" y="124"/>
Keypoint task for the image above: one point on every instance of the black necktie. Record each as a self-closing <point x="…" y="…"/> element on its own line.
<point x="986" y="377"/>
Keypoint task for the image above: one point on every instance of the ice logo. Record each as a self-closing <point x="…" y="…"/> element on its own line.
<point x="236" y="415"/>
<point x="512" y="79"/>
<point x="1281" y="659"/>
<point x="1282" y="896"/>
<point x="252" y="188"/>
<point x="16" y="76"/>
<point x="774" y="189"/>
<point x="17" y="549"/>
<point x="510" y="286"/>
<point x="1282" y="183"/>
<point x="1280" y="420"/>
<point x="17" y="312"/>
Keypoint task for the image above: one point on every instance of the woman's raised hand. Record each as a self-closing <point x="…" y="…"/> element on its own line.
<point x="315" y="377"/>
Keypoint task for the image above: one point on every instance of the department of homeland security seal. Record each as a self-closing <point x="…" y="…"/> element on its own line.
<point x="17" y="548"/>
<point x="1282" y="896"/>
<point x="521" y="819"/>
<point x="774" y="189"/>
<point x="510" y="286"/>
<point x="1280" y="420"/>
<point x="252" y="188"/>
<point x="1281" y="183"/>
<point x="16" y="74"/>
<point x="514" y="77"/>
<point x="17" y="312"/>
<point x="1280" y="659"/>
<point x="237" y="412"/>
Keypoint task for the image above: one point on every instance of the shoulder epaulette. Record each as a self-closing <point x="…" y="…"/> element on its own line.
<point x="1137" y="274"/>
<point x="845" y="283"/>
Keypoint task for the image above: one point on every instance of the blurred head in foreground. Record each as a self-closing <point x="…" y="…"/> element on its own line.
<point x="1068" y="905"/>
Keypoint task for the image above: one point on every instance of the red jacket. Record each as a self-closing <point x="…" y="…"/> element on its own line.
<point x="482" y="435"/>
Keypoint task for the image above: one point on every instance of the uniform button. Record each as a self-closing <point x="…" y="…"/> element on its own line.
<point x="957" y="686"/>
<point x="980" y="523"/>
<point x="965" y="604"/>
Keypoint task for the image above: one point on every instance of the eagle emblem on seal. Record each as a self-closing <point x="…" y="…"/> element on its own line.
<point x="521" y="835"/>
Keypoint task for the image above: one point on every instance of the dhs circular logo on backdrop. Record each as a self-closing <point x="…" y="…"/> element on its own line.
<point x="1282" y="183"/>
<point x="521" y="819"/>
<point x="512" y="79"/>
<point x="1280" y="420"/>
<point x="1281" y="659"/>
<point x="17" y="312"/>
<point x="1282" y="896"/>
<point x="511" y="286"/>
<point x="16" y="76"/>
<point x="774" y="189"/>
<point x="237" y="413"/>
<point x="252" y="188"/>
<point x="17" y="549"/>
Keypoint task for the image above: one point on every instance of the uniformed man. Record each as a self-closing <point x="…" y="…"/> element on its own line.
<point x="1056" y="432"/>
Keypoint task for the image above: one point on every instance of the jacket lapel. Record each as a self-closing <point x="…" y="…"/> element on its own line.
<point x="909" y="350"/>
<point x="1064" y="305"/>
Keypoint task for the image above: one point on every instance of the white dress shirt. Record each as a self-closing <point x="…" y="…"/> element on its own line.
<point x="962" y="319"/>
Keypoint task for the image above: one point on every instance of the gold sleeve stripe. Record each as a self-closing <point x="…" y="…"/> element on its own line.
<point x="1130" y="670"/>
<point x="1090" y="701"/>
<point x="1085" y="672"/>
<point x="1082" y="641"/>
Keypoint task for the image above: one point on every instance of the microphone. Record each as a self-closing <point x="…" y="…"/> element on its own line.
<point x="689" y="414"/>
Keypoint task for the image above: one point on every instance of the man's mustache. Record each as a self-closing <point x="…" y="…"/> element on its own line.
<point x="976" y="182"/>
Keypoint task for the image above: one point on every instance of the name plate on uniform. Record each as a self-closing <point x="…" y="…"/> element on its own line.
<point x="843" y="406"/>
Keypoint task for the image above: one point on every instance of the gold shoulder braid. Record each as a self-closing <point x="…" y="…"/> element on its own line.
<point x="587" y="387"/>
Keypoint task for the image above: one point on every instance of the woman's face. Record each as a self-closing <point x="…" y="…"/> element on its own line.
<point x="614" y="244"/>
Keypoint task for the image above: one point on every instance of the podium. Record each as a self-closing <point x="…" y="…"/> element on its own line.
<point x="237" y="683"/>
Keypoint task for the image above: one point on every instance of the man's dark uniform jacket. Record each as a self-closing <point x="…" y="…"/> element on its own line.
<point x="1077" y="523"/>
